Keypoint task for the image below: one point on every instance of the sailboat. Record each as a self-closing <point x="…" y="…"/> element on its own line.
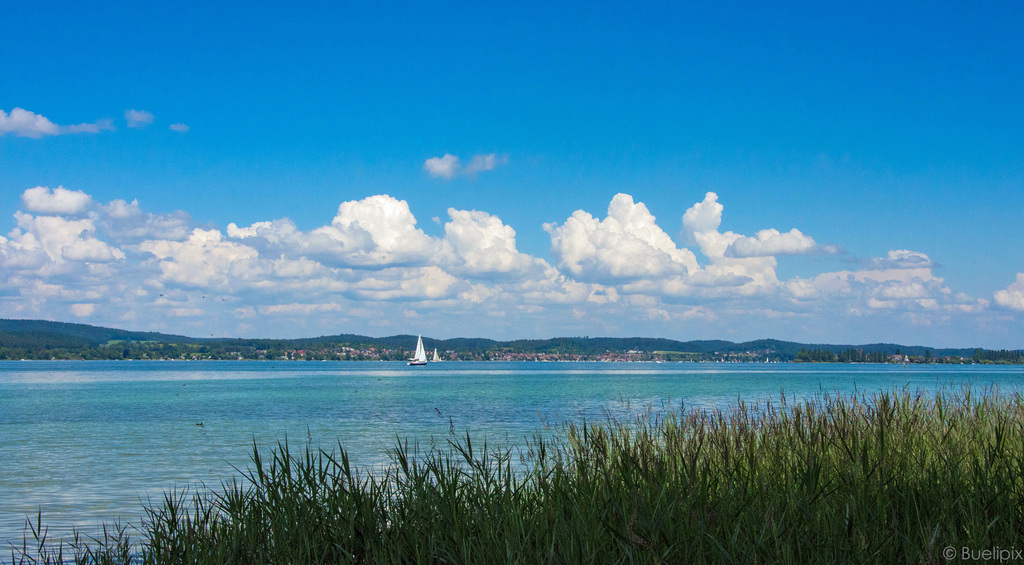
<point x="421" y="356"/>
<point x="436" y="358"/>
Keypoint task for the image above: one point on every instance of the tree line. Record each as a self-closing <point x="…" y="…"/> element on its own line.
<point x="293" y="350"/>
<point x="40" y="339"/>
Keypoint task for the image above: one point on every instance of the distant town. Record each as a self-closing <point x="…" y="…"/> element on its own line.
<point x="45" y="340"/>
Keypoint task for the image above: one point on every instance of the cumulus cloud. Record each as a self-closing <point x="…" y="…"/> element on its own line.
<point x="375" y="232"/>
<point x="448" y="166"/>
<point x="627" y="244"/>
<point x="700" y="226"/>
<point x="405" y="284"/>
<point x="22" y="252"/>
<point x="1012" y="297"/>
<point x="444" y="167"/>
<point x="481" y="245"/>
<point x="71" y="256"/>
<point x="25" y="123"/>
<point x="204" y="260"/>
<point x="56" y="201"/>
<point x="728" y="274"/>
<point x="272" y="234"/>
<point x="126" y="222"/>
<point x="121" y="209"/>
<point x="138" y="118"/>
<point x="66" y="240"/>
<point x="380" y="232"/>
<point x="629" y="251"/>
<point x="702" y="220"/>
<point x="179" y="127"/>
<point x="208" y="261"/>
<point x="387" y="220"/>
<point x="704" y="216"/>
<point x="770" y="242"/>
<point x="54" y="261"/>
<point x="902" y="281"/>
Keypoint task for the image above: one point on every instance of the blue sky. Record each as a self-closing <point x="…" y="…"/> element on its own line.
<point x="222" y="170"/>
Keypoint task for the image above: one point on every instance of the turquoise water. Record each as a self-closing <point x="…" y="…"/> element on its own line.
<point x="89" y="442"/>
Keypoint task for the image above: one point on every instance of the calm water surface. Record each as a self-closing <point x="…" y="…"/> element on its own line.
<point x="89" y="442"/>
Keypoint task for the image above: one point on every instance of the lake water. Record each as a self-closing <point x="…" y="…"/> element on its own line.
<point x="89" y="442"/>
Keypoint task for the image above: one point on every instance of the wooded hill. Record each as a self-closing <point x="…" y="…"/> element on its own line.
<point x="39" y="339"/>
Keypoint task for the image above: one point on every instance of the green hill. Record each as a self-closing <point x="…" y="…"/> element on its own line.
<point x="79" y="333"/>
<point x="40" y="339"/>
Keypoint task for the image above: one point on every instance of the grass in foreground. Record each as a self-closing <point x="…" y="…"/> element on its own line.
<point x="897" y="477"/>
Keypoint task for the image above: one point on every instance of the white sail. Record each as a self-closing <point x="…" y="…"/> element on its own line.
<point x="436" y="358"/>
<point x="421" y="355"/>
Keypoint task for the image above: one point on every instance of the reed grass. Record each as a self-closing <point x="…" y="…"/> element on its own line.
<point x="895" y="477"/>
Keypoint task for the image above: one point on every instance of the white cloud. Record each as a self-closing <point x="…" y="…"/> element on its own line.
<point x="627" y="244"/>
<point x="90" y="249"/>
<point x="120" y="209"/>
<point x="63" y="239"/>
<point x="702" y="220"/>
<point x="138" y="118"/>
<point x="295" y="308"/>
<point x="726" y="275"/>
<point x="25" y="123"/>
<point x="1012" y="297"/>
<point x="480" y="244"/>
<point x="704" y="216"/>
<point x="22" y="252"/>
<point x="276" y="234"/>
<point x="449" y="166"/>
<point x="445" y="167"/>
<point x="387" y="220"/>
<point x="82" y="310"/>
<point x="57" y="201"/>
<point x="700" y="226"/>
<point x="70" y="256"/>
<point x="204" y="260"/>
<point x="179" y="127"/>
<point x="900" y="259"/>
<point x="376" y="232"/>
<point x="900" y="282"/>
<point x="481" y="163"/>
<point x="379" y="230"/>
<point x="94" y="127"/>
<point x="405" y="284"/>
<point x="630" y="252"/>
<point x="771" y="242"/>
<point x="124" y="223"/>
<point x="186" y="312"/>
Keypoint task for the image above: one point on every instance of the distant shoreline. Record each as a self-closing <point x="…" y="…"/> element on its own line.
<point x="598" y="361"/>
<point x="46" y="340"/>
